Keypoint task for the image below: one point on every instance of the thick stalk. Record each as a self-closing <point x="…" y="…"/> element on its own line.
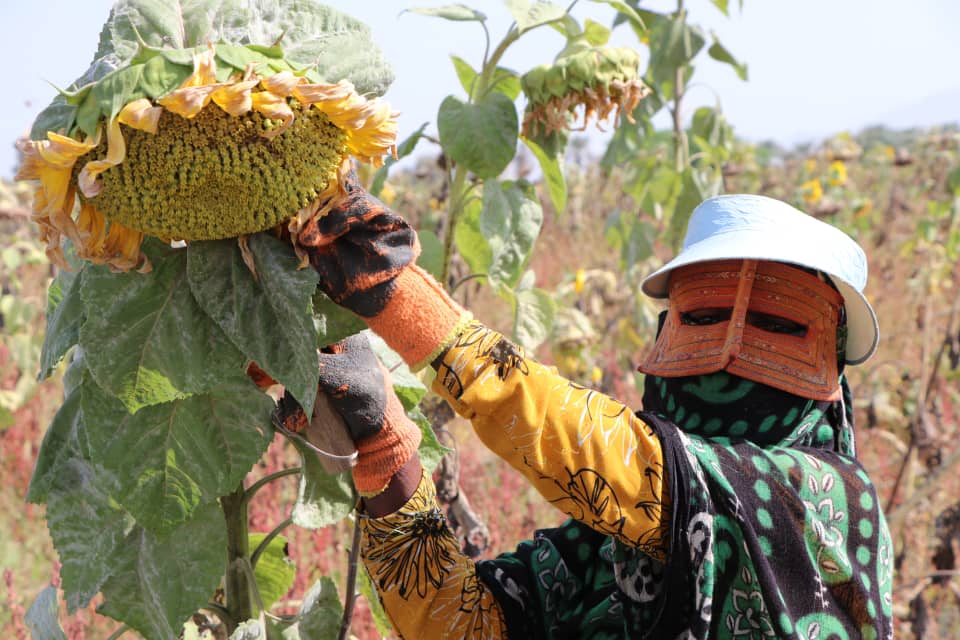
<point x="457" y="200"/>
<point x="679" y="135"/>
<point x="236" y="582"/>
<point x="351" y="588"/>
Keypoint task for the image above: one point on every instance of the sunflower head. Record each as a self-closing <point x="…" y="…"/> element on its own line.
<point x="584" y="82"/>
<point x="212" y="141"/>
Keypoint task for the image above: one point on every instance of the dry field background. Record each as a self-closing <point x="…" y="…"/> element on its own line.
<point x="897" y="193"/>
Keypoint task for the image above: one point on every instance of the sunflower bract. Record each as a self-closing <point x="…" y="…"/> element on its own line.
<point x="215" y="176"/>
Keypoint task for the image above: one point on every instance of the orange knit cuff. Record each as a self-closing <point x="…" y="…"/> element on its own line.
<point x="420" y="320"/>
<point x="381" y="455"/>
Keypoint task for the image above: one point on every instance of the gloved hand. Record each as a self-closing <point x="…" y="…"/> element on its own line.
<point x="361" y="391"/>
<point x="365" y="256"/>
<point x="359" y="248"/>
<point x="356" y="383"/>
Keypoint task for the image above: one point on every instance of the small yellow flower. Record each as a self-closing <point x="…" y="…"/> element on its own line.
<point x="579" y="280"/>
<point x="809" y="165"/>
<point x="812" y="191"/>
<point x="890" y="152"/>
<point x="388" y="194"/>
<point x="596" y="375"/>
<point x="838" y="174"/>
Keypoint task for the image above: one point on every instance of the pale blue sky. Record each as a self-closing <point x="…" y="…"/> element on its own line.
<point x="816" y="66"/>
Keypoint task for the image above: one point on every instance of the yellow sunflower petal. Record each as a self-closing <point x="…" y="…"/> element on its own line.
<point x="141" y="114"/>
<point x="204" y="69"/>
<point x="92" y="226"/>
<point x="314" y="93"/>
<point x="282" y="83"/>
<point x="194" y="93"/>
<point x="376" y="137"/>
<point x="121" y="249"/>
<point x="49" y="160"/>
<point x="235" y="98"/>
<point x="90" y="186"/>
<point x="273" y="106"/>
<point x="347" y="113"/>
<point x="188" y="101"/>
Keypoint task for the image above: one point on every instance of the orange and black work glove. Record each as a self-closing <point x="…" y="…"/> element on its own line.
<point x="361" y="391"/>
<point x="365" y="255"/>
<point x="358" y="249"/>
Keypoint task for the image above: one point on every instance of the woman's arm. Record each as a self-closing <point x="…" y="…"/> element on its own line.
<point x="585" y="452"/>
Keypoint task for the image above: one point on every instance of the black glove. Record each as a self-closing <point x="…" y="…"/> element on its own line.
<point x="353" y="379"/>
<point x="358" y="248"/>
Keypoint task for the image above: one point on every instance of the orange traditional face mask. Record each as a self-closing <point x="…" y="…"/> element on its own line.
<point x="763" y="321"/>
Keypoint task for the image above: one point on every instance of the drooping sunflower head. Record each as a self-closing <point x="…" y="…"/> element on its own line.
<point x="197" y="143"/>
<point x="582" y="83"/>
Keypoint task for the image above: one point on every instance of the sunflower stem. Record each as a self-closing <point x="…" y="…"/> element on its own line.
<point x="351" y="588"/>
<point x="236" y="582"/>
<point x="457" y="199"/>
<point x="266" y="541"/>
<point x="276" y="475"/>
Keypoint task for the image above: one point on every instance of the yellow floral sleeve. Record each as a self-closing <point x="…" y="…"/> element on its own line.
<point x="585" y="452"/>
<point x="427" y="586"/>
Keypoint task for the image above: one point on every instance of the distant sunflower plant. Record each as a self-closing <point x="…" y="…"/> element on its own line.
<point x="172" y="180"/>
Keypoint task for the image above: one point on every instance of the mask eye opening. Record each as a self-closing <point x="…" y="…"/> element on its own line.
<point x="776" y="324"/>
<point x="706" y="316"/>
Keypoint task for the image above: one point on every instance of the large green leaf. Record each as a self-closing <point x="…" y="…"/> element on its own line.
<point x="719" y="52"/>
<point x="310" y="33"/>
<point x="146" y="339"/>
<point x="321" y="611"/>
<point x="493" y="119"/>
<point x="160" y="580"/>
<point x="431" y="451"/>
<point x="172" y="458"/>
<point x="367" y="589"/>
<point x="64" y="316"/>
<point x="42" y="617"/>
<point x="87" y="527"/>
<point x="322" y="499"/>
<point x="470" y="241"/>
<point x="270" y="318"/>
<point x="504" y="80"/>
<point x="552" y="167"/>
<point x="455" y="12"/>
<point x="673" y="43"/>
<point x="60" y="443"/>
<point x="510" y="221"/>
<point x="529" y="15"/>
<point x="332" y="45"/>
<point x="406" y="384"/>
<point x="404" y="149"/>
<point x="533" y="311"/>
<point x="466" y="74"/>
<point x="431" y="253"/>
<point x="692" y="193"/>
<point x="626" y="11"/>
<point x="711" y="125"/>
<point x="275" y="571"/>
<point x="333" y="322"/>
